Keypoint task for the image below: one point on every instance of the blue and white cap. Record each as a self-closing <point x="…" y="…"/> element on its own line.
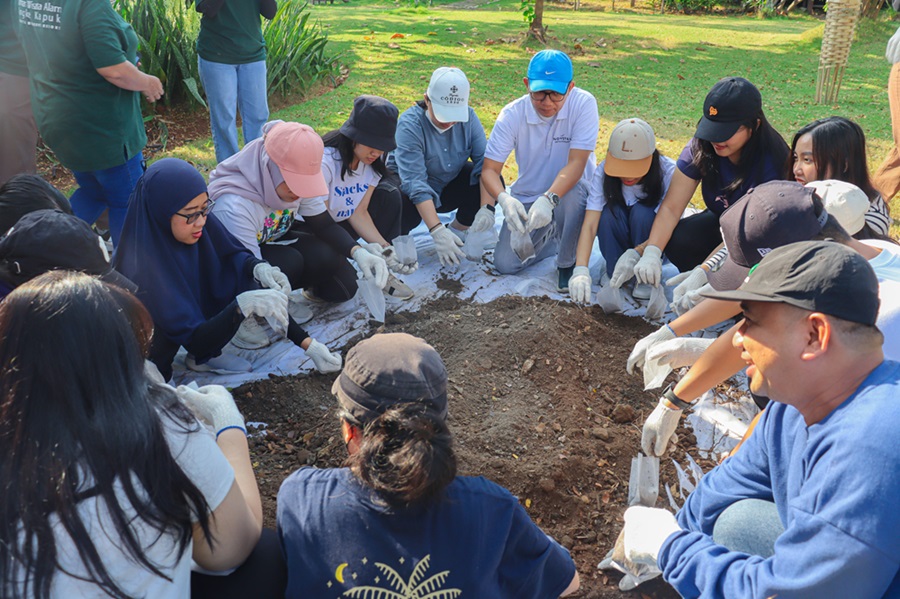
<point x="550" y="70"/>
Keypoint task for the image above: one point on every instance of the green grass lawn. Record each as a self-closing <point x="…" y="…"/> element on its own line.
<point x="657" y="67"/>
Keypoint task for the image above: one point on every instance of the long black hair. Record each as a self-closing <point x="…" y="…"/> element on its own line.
<point x="27" y="193"/>
<point x="79" y="420"/>
<point x="406" y="455"/>
<point x="344" y="145"/>
<point x="839" y="151"/>
<point x="652" y="184"/>
<point x="765" y="144"/>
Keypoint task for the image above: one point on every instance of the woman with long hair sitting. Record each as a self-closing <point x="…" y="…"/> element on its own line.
<point x="110" y="487"/>
<point x="398" y="517"/>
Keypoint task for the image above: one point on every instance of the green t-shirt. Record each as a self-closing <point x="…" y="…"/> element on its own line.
<point x="233" y="35"/>
<point x="89" y="123"/>
<point x="12" y="56"/>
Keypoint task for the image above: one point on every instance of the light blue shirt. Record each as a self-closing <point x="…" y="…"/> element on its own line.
<point x="427" y="160"/>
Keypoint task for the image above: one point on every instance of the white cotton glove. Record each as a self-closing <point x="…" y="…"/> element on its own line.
<point x="639" y="353"/>
<point x="213" y="405"/>
<point x="648" y="270"/>
<point x="893" y="48"/>
<point x="646" y="529"/>
<point x="393" y="263"/>
<point x="266" y="303"/>
<point x="540" y="214"/>
<point x="484" y="220"/>
<point x="271" y="277"/>
<point x="686" y="282"/>
<point x="373" y="266"/>
<point x="447" y="245"/>
<point x="678" y="352"/>
<point x="513" y="212"/>
<point x="325" y="360"/>
<point x="624" y="269"/>
<point x="659" y="428"/>
<point x="689" y="300"/>
<point x="580" y="285"/>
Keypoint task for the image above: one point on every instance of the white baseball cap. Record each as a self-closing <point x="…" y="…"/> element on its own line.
<point x="449" y="95"/>
<point x="631" y="147"/>
<point x="846" y="202"/>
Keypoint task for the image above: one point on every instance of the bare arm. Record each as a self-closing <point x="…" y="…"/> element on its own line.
<point x="429" y="213"/>
<point x="681" y="190"/>
<point x="491" y="182"/>
<point x="586" y="237"/>
<point x="127" y="76"/>
<point x="720" y="361"/>
<point x="236" y="524"/>
<point x="573" y="586"/>
<point x="570" y="174"/>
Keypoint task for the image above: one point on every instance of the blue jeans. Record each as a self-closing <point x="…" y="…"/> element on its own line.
<point x="232" y="87"/>
<point x="750" y="526"/>
<point x="108" y="188"/>
<point x="621" y="228"/>
<point x="560" y="237"/>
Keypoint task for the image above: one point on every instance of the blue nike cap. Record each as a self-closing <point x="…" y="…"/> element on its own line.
<point x="550" y="70"/>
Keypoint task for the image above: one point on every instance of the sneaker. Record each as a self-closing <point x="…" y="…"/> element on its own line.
<point x="298" y="310"/>
<point x="641" y="291"/>
<point x="564" y="275"/>
<point x="251" y="335"/>
<point x="398" y="289"/>
<point x="221" y="363"/>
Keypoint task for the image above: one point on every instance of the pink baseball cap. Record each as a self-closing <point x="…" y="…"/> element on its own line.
<point x="297" y="151"/>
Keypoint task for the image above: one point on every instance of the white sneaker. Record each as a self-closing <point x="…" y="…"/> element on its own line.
<point x="298" y="310"/>
<point x="251" y="335"/>
<point x="221" y="363"/>
<point x="641" y="291"/>
<point x="398" y="289"/>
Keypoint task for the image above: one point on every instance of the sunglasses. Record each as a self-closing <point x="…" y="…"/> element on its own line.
<point x="555" y="97"/>
<point x="195" y="216"/>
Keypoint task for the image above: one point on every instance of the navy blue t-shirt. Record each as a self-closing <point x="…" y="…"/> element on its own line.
<point x="476" y="540"/>
<point x="714" y="199"/>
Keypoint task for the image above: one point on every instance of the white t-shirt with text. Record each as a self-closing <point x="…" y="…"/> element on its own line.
<point x="345" y="195"/>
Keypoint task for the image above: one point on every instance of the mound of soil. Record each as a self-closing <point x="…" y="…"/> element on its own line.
<point x="539" y="402"/>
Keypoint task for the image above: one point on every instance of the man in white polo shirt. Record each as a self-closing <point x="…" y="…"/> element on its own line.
<point x="553" y="131"/>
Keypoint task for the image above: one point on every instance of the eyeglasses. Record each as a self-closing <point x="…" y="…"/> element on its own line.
<point x="555" y="97"/>
<point x="195" y="216"/>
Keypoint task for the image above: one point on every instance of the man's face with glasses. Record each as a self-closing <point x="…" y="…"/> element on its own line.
<point x="187" y="223"/>
<point x="548" y="102"/>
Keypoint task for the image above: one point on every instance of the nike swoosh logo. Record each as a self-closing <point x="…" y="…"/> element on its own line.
<point x="549" y="72"/>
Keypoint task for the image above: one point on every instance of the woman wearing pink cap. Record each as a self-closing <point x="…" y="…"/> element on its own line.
<point x="261" y="191"/>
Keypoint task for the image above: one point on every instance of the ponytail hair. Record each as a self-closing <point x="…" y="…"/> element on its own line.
<point x="406" y="455"/>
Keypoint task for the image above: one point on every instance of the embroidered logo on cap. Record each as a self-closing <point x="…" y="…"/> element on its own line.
<point x="713" y="111"/>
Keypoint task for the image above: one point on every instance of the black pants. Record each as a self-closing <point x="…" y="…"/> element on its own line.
<point x="385" y="208"/>
<point x="459" y="195"/>
<point x="263" y="575"/>
<point x="693" y="240"/>
<point x="310" y="263"/>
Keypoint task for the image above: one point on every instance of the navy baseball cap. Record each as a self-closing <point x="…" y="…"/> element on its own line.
<point x="730" y="103"/>
<point x="550" y="70"/>
<point x="819" y="276"/>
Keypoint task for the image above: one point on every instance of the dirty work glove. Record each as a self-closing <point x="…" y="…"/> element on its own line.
<point x="639" y="353"/>
<point x="624" y="269"/>
<point x="646" y="529"/>
<point x="648" y="270"/>
<point x="271" y="277"/>
<point x="447" y="245"/>
<point x="266" y="303"/>
<point x="893" y="48"/>
<point x="484" y="220"/>
<point x="213" y="405"/>
<point x="659" y="428"/>
<point x="393" y="263"/>
<point x="580" y="285"/>
<point x="324" y="360"/>
<point x="685" y="283"/>
<point x="540" y="214"/>
<point x="373" y="267"/>
<point x="690" y="300"/>
<point x="678" y="352"/>
<point x="513" y="212"/>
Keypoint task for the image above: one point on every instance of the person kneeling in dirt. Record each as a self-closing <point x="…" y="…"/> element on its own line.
<point x="398" y="516"/>
<point x="807" y="507"/>
<point x="553" y="131"/>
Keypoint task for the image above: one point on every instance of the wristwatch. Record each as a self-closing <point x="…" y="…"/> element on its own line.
<point x="554" y="199"/>
<point x="675" y="400"/>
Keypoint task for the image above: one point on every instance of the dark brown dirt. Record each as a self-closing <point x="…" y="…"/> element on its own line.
<point x="539" y="402"/>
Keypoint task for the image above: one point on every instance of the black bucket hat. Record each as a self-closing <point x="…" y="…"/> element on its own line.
<point x="372" y="122"/>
